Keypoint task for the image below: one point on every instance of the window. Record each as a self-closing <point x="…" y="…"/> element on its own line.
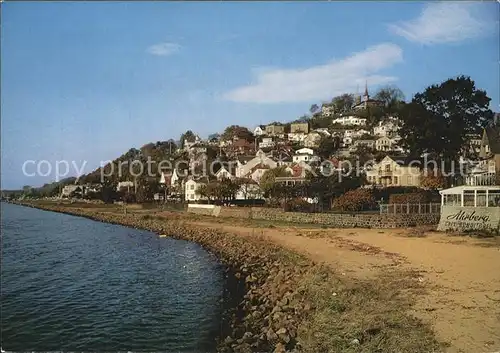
<point x="192" y="187"/>
<point x="395" y="180"/>
<point x="408" y="180"/>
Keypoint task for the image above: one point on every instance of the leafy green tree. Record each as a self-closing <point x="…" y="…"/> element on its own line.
<point x="438" y="119"/>
<point x="314" y="109"/>
<point x="343" y="103"/>
<point x="326" y="148"/>
<point x="188" y="136"/>
<point x="267" y="181"/>
<point x="325" y="187"/>
<point x="240" y="132"/>
<point x="392" y="97"/>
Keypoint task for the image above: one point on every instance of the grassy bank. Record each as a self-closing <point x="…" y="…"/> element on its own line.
<point x="291" y="303"/>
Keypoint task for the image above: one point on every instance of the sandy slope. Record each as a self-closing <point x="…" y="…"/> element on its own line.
<point x="461" y="275"/>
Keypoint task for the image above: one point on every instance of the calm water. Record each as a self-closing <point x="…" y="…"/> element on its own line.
<point x="69" y="283"/>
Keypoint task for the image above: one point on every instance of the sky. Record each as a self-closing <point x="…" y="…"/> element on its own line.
<point x="85" y="82"/>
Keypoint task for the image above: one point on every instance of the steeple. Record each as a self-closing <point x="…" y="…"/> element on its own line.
<point x="366" y="96"/>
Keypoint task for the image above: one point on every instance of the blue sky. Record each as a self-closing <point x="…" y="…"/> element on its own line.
<point x="87" y="81"/>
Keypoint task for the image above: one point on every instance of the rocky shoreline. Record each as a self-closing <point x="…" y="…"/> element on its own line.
<point x="265" y="280"/>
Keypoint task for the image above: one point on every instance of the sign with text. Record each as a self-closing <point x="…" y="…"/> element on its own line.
<point x="469" y="218"/>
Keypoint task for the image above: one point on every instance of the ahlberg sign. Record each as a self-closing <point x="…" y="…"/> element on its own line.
<point x="469" y="218"/>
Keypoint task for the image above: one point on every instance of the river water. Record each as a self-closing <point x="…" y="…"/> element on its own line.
<point x="72" y="284"/>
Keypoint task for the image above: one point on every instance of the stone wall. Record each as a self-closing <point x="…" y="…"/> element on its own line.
<point x="339" y="220"/>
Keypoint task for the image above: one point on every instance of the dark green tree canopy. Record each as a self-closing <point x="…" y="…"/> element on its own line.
<point x="438" y="119"/>
<point x="238" y="131"/>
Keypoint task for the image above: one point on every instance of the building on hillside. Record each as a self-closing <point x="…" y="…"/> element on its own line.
<point x="296" y="137"/>
<point x="312" y="139"/>
<point x="384" y="144"/>
<point x="487" y="171"/>
<point x="259" y="130"/>
<point x="324" y="131"/>
<point x="192" y="186"/>
<point x="298" y="175"/>
<point x="72" y="189"/>
<point x="241" y="147"/>
<point x="365" y="102"/>
<point x="349" y="120"/>
<point x="245" y="165"/>
<point x="482" y="174"/>
<point x="305" y="155"/>
<point x="275" y="130"/>
<point x="125" y="186"/>
<point x="386" y="128"/>
<point x="249" y="190"/>
<point x="369" y="143"/>
<point x="225" y="172"/>
<point x="472" y="145"/>
<point x="188" y="143"/>
<point x="394" y="171"/>
<point x="327" y="109"/>
<point x="296" y="128"/>
<point x="267" y="142"/>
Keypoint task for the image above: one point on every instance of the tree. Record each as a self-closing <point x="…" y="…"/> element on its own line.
<point x="267" y="180"/>
<point x="433" y="180"/>
<point x="326" y="147"/>
<point x="325" y="187"/>
<point x="188" y="136"/>
<point x="438" y="119"/>
<point x="314" y="109"/>
<point x="343" y="103"/>
<point x="237" y="131"/>
<point x="392" y="97"/>
<point x="355" y="200"/>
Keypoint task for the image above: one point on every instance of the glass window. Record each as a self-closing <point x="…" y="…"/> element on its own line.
<point x="469" y="198"/>
<point x="481" y="198"/>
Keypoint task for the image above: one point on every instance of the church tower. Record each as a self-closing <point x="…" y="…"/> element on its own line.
<point x="366" y="96"/>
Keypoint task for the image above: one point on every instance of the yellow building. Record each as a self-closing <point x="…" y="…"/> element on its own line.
<point x="275" y="129"/>
<point x="394" y="172"/>
<point x="296" y="128"/>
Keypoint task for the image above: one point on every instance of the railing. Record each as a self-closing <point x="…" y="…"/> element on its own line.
<point x="410" y="208"/>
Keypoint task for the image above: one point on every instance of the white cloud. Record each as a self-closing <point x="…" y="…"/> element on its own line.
<point x="446" y="22"/>
<point x="320" y="82"/>
<point x="164" y="49"/>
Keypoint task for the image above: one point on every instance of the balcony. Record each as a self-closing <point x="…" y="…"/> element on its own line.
<point x="385" y="173"/>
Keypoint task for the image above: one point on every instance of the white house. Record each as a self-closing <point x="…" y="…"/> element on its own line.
<point x="388" y="144"/>
<point x="359" y="133"/>
<point x="259" y="130"/>
<point x="349" y="120"/>
<point x="191" y="186"/>
<point x="267" y="142"/>
<point x="386" y="128"/>
<point x="223" y="173"/>
<point x="125" y="185"/>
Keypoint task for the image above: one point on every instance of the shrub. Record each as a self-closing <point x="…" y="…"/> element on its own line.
<point x="355" y="200"/>
<point x="412" y="197"/>
<point x="298" y="205"/>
